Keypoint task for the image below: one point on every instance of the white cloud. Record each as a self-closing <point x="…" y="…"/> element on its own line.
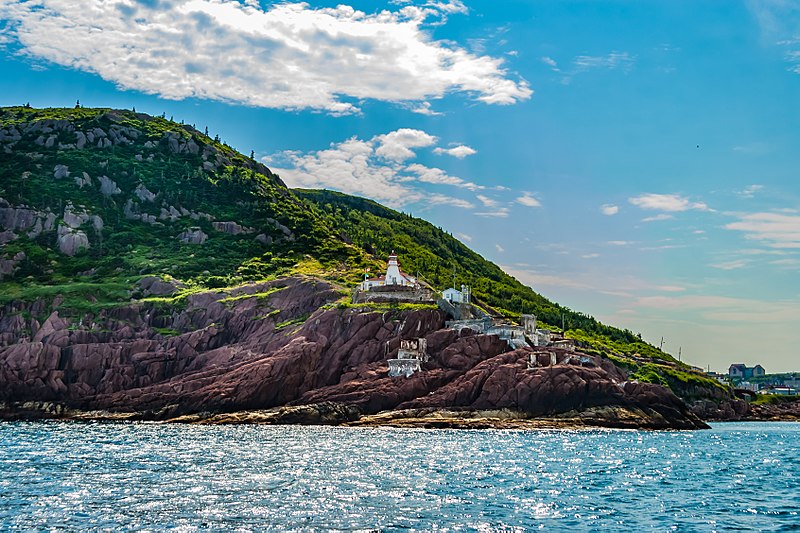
<point x="786" y="263"/>
<point x="671" y="288"/>
<point x="731" y="265"/>
<point x="461" y="151"/>
<point x="611" y="61"/>
<point x="776" y="230"/>
<point x="287" y="55"/>
<point x="464" y="237"/>
<point x="443" y="199"/>
<point x="440" y="177"/>
<point x="550" y="62"/>
<point x="590" y="256"/>
<point x="666" y="202"/>
<point x="396" y="146"/>
<point x="609" y="209"/>
<point x="750" y="191"/>
<point x="423" y="108"/>
<point x="657" y="218"/>
<point x="499" y="248"/>
<point x="501" y="212"/>
<point x="371" y="168"/>
<point x="528" y="200"/>
<point x="620" y="243"/>
<point x="486" y="201"/>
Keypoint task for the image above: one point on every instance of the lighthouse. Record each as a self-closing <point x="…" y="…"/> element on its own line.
<point x="393" y="276"/>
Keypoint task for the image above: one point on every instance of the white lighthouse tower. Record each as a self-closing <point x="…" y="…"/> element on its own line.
<point x="393" y="276"/>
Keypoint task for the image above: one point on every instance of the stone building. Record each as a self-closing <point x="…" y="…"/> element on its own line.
<point x="410" y="356"/>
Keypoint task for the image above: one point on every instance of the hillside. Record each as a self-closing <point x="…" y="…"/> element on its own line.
<point x="95" y="200"/>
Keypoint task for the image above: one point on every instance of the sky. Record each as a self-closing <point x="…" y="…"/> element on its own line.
<point x="637" y="161"/>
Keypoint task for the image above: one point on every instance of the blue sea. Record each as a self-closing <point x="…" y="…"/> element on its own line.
<point x="122" y="476"/>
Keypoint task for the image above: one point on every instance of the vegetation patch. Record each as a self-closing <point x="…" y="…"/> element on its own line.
<point x="291" y="322"/>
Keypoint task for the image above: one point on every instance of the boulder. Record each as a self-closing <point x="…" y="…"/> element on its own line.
<point x="108" y="187"/>
<point x="231" y="228"/>
<point x="60" y="171"/>
<point x="70" y="241"/>
<point x="156" y="286"/>
<point x="193" y="235"/>
<point x="7" y="236"/>
<point x="143" y="194"/>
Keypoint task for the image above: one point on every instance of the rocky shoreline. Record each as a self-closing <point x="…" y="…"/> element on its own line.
<point x="343" y="415"/>
<point x="285" y="352"/>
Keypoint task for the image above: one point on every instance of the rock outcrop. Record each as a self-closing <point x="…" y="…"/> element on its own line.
<point x="278" y="347"/>
<point x="193" y="235"/>
<point x="70" y="241"/>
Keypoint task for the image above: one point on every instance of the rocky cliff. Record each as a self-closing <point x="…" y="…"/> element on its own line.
<point x="288" y="344"/>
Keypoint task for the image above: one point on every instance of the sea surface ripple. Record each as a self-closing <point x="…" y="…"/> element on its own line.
<point x="79" y="476"/>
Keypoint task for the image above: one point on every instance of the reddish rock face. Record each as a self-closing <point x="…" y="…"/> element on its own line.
<point x="273" y="344"/>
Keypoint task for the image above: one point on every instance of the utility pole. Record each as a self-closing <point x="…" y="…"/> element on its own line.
<point x="679" y="353"/>
<point x="661" y="346"/>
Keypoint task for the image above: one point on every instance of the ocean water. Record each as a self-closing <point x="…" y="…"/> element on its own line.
<point x="79" y="476"/>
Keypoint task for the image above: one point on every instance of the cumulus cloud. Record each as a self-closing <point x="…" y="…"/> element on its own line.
<point x="666" y="202"/>
<point x="609" y="209"/>
<point x="373" y="168"/>
<point x="776" y="230"/>
<point x="287" y="55"/>
<point x="397" y="145"/>
<point x="423" y="108"/>
<point x="528" y="200"/>
<point x="439" y="177"/>
<point x="461" y="151"/>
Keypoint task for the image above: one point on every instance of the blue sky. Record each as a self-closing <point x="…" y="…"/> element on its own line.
<point x="633" y="160"/>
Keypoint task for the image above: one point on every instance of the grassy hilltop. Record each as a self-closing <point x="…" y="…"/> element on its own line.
<point x="173" y="202"/>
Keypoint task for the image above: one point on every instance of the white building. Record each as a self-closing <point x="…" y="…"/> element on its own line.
<point x="455" y="296"/>
<point x="393" y="276"/>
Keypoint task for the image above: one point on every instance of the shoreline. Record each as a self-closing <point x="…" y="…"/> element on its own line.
<point x="387" y="420"/>
<point x="608" y="417"/>
<point x="335" y="414"/>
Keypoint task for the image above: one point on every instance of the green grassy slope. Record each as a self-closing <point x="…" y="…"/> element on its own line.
<point x="211" y="179"/>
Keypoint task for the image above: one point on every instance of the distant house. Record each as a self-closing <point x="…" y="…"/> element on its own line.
<point x="782" y="391"/>
<point x="742" y="371"/>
